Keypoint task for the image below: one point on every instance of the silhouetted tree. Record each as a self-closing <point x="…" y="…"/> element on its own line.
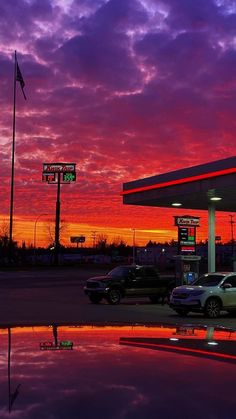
<point x="102" y="242"/>
<point x="63" y="232"/>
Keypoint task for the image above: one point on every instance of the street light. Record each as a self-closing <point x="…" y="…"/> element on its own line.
<point x="35" y="224"/>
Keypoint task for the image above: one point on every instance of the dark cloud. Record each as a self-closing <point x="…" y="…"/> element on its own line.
<point x="100" y="62"/>
<point x="118" y="15"/>
<point x="192" y="15"/>
<point x="42" y="10"/>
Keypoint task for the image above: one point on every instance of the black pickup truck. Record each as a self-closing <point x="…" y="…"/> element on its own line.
<point x="129" y="281"/>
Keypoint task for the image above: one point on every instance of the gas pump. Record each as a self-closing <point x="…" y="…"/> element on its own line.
<point x="186" y="269"/>
<point x="186" y="262"/>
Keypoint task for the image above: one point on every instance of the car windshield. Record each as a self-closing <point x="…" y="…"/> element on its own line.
<point x="209" y="280"/>
<point x="119" y="271"/>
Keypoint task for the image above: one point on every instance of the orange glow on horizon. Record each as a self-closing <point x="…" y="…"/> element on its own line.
<point x="24" y="230"/>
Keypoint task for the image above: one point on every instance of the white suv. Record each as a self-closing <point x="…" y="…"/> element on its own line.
<point x="209" y="294"/>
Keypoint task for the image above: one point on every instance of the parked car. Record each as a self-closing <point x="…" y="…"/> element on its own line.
<point x="129" y="281"/>
<point x="210" y="293"/>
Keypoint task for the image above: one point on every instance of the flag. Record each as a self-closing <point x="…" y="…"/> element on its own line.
<point x="20" y="79"/>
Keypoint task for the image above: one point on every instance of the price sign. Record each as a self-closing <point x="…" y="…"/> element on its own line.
<point x="56" y="172"/>
<point x="187" y="239"/>
<point x="69" y="176"/>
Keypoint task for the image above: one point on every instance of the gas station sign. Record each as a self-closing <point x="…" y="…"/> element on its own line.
<point x="187" y="239"/>
<point x="186" y="220"/>
<point x="187" y="234"/>
<point x="59" y="172"/>
<point x="58" y="167"/>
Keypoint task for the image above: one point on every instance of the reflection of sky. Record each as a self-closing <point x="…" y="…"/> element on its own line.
<point x="100" y="378"/>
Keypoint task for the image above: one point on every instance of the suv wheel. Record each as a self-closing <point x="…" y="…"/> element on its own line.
<point x="212" y="308"/>
<point x="95" y="299"/>
<point x="114" y="296"/>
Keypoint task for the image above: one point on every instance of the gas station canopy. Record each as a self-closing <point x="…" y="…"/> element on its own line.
<point x="195" y="187"/>
<point x="210" y="186"/>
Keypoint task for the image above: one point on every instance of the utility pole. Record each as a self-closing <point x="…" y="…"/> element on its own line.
<point x="134" y="245"/>
<point x="94" y="238"/>
<point x="232" y="233"/>
<point x="57" y="222"/>
<point x="35" y="224"/>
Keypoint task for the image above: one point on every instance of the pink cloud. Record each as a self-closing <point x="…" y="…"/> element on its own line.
<point x="125" y="89"/>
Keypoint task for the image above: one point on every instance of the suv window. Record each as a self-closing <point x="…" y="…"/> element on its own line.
<point x="150" y="272"/>
<point x="231" y="280"/>
<point x="208" y="280"/>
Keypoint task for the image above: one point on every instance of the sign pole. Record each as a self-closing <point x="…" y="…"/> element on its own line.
<point x="57" y="173"/>
<point x="57" y="223"/>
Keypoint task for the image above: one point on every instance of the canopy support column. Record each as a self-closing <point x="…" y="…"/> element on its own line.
<point x="211" y="239"/>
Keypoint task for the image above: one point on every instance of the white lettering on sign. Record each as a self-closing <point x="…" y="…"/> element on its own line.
<point x="187" y="221"/>
<point x="58" y="167"/>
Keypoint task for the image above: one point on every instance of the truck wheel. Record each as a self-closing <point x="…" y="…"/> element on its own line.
<point x="95" y="299"/>
<point x="182" y="312"/>
<point x="114" y="296"/>
<point x="212" y="308"/>
<point x="154" y="298"/>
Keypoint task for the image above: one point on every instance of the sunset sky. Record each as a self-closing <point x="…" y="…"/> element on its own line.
<point x="123" y="88"/>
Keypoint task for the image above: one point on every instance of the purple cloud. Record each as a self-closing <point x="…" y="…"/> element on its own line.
<point x="126" y="88"/>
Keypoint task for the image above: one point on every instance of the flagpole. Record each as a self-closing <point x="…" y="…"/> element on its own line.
<point x="12" y="166"/>
<point x="9" y="369"/>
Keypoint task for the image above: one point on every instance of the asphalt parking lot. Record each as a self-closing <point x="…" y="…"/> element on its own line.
<point x="45" y="296"/>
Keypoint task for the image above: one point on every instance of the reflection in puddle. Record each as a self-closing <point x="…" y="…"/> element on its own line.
<point x="117" y="372"/>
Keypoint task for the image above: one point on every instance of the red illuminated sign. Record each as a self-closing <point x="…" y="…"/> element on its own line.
<point x="189" y="249"/>
<point x="48" y="177"/>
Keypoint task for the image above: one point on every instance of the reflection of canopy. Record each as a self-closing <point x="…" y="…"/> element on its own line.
<point x="223" y="351"/>
<point x="194" y="188"/>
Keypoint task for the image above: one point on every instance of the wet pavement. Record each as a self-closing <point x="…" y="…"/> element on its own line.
<point x="121" y="372"/>
<point x="63" y="357"/>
